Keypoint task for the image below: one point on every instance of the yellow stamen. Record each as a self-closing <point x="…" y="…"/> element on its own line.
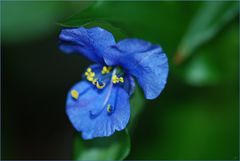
<point x="121" y="79"/>
<point x="115" y="79"/>
<point x="92" y="74"/>
<point x="100" y="86"/>
<point x="74" y="94"/>
<point x="89" y="70"/>
<point x="86" y="73"/>
<point x="94" y="81"/>
<point x="109" y="108"/>
<point x="90" y="78"/>
<point x="106" y="69"/>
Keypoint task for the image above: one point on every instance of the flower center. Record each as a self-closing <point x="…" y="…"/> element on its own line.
<point x="100" y="80"/>
<point x="100" y="77"/>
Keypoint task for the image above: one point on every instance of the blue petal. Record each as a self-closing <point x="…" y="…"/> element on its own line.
<point x="89" y="114"/>
<point x="89" y="42"/>
<point x="129" y="84"/>
<point x="147" y="62"/>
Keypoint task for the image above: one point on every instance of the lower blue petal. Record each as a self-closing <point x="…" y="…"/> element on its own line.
<point x="89" y="113"/>
<point x="146" y="62"/>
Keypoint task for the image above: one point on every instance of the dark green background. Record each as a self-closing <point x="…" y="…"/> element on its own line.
<point x="195" y="117"/>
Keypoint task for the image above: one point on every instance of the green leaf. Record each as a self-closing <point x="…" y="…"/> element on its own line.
<point x="209" y="21"/>
<point x="115" y="147"/>
<point x="201" y="71"/>
<point x="215" y="62"/>
<point x="22" y="21"/>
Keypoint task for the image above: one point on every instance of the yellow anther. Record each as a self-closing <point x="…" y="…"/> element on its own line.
<point x="74" y="94"/>
<point x="100" y="86"/>
<point x="86" y="73"/>
<point x="106" y="69"/>
<point x="91" y="74"/>
<point x="94" y="81"/>
<point x="90" y="79"/>
<point x="109" y="108"/>
<point x="121" y="79"/>
<point x="115" y="79"/>
<point x="89" y="70"/>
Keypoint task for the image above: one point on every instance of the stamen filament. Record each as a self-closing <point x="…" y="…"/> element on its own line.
<point x="94" y="115"/>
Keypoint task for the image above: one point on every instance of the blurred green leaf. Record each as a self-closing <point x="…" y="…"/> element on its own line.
<point x="115" y="147"/>
<point x="29" y="20"/>
<point x="190" y="123"/>
<point x="209" y="20"/>
<point x="215" y="62"/>
<point x="193" y="131"/>
<point x="201" y="71"/>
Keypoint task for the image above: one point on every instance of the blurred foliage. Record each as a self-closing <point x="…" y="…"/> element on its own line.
<point x="115" y="147"/>
<point x="28" y="20"/>
<point x="209" y="20"/>
<point x="196" y="116"/>
<point x="215" y="62"/>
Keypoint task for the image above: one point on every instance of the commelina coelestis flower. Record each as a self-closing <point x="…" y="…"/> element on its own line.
<point x="99" y="105"/>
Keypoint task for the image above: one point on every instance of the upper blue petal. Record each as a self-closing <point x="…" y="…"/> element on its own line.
<point x="89" y="114"/>
<point x="89" y="42"/>
<point x="147" y="62"/>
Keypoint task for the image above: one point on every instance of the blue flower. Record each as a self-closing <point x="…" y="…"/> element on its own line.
<point x="99" y="105"/>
